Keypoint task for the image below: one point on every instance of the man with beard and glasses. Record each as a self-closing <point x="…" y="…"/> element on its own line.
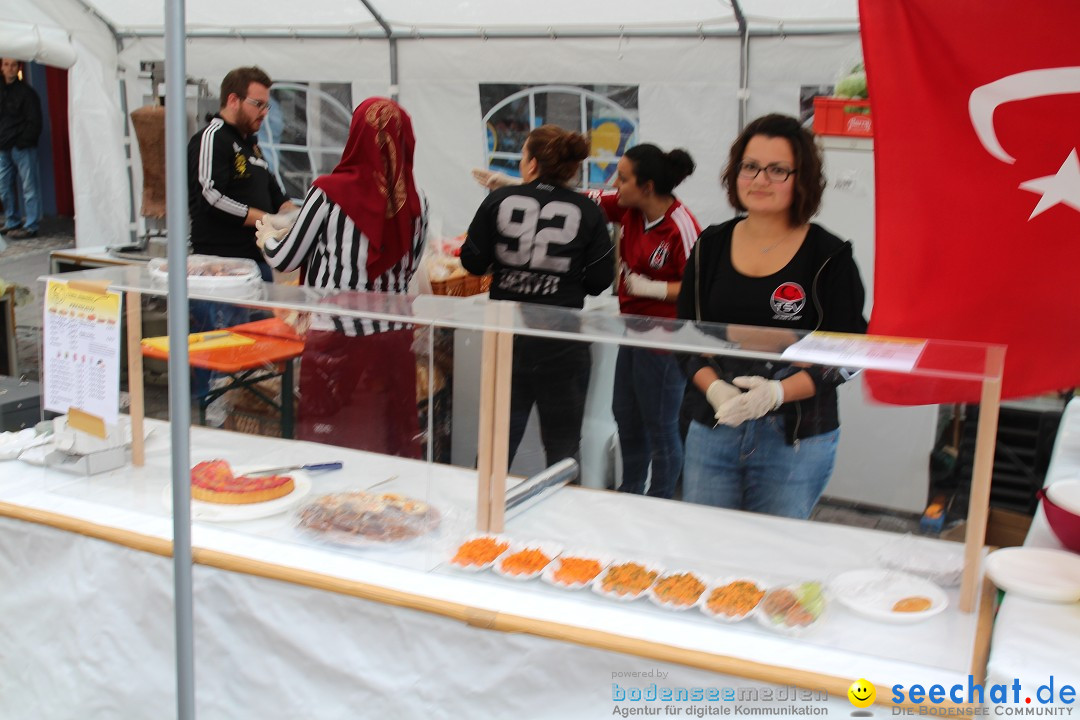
<point x="230" y="185"/>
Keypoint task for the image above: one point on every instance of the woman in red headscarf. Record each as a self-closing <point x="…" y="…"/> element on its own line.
<point x="361" y="227"/>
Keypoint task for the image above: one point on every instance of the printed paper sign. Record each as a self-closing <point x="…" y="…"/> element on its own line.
<point x="876" y="352"/>
<point x="82" y="350"/>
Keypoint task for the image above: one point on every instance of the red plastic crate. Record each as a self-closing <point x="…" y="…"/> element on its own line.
<point x="836" y="116"/>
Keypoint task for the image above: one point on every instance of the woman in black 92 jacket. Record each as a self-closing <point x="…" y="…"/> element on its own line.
<point x="545" y="244"/>
<point x="763" y="436"/>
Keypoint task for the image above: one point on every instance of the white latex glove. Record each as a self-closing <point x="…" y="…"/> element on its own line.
<point x="641" y="286"/>
<point x="282" y="220"/>
<point x="493" y="180"/>
<point x="264" y="230"/>
<point x="762" y="396"/>
<point x="720" y="392"/>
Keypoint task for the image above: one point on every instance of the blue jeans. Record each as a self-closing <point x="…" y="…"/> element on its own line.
<point x="751" y="467"/>
<point x="21" y="165"/>
<point x="649" y="387"/>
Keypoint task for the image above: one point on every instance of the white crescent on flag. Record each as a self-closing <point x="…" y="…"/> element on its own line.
<point x="985" y="100"/>
<point x="1063" y="187"/>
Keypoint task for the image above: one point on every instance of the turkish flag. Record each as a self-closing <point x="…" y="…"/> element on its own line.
<point x="976" y="112"/>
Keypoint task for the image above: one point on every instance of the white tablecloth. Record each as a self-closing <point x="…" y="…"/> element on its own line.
<point x="1033" y="640"/>
<point x="265" y="645"/>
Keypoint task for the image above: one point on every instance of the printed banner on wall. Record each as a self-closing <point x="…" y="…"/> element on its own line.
<point x="978" y="184"/>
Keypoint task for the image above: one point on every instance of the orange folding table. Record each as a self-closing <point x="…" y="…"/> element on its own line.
<point x="267" y="344"/>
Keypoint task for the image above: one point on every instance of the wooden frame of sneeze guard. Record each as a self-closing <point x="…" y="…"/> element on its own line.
<point x="493" y="440"/>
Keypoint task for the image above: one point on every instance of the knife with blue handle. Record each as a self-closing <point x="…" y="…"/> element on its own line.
<point x="313" y="467"/>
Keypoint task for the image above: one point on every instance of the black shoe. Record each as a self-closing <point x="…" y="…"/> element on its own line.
<point x="21" y="234"/>
<point x="9" y="228"/>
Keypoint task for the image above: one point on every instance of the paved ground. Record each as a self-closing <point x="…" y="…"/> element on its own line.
<point x="22" y="263"/>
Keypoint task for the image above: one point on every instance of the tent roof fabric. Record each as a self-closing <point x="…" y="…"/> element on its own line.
<point x="481" y="18"/>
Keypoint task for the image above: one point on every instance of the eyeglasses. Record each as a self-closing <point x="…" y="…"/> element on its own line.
<point x="774" y="173"/>
<point x="261" y="105"/>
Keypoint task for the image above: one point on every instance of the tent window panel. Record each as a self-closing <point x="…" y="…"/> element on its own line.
<point x="294" y="169"/>
<point x="305" y="131"/>
<point x="607" y="113"/>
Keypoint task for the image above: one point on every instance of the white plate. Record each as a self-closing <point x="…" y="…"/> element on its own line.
<point x="482" y="566"/>
<point x="724" y="617"/>
<point x="416" y="528"/>
<point x="668" y="605"/>
<point x="550" y="550"/>
<point x="225" y="512"/>
<point x="548" y="575"/>
<point x="873" y="592"/>
<point x="1037" y="573"/>
<point x="1066" y="494"/>
<point x="598" y="581"/>
<point x="766" y="620"/>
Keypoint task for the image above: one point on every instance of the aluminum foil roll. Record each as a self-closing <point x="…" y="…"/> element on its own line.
<point x="540" y="486"/>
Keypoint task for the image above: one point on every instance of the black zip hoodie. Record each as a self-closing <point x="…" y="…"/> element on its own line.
<point x="20" y="116"/>
<point x="835" y="303"/>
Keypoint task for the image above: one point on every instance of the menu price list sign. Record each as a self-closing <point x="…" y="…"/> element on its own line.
<point x="874" y="352"/>
<point x="82" y="350"/>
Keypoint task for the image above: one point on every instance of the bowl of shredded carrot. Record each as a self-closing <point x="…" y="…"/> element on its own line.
<point x="732" y="600"/>
<point x="677" y="590"/>
<point x="525" y="561"/>
<point x="625" y="581"/>
<point x="479" y="552"/>
<point x="574" y="569"/>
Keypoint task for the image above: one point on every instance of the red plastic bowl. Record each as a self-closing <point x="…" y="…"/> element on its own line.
<point x="1064" y="522"/>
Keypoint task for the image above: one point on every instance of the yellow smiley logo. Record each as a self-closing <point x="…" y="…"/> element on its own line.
<point x="862" y="693"/>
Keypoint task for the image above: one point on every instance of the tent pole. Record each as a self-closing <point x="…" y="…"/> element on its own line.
<point x="389" y="33"/>
<point x="179" y="383"/>
<point x="744" y="61"/>
<point x="133" y="234"/>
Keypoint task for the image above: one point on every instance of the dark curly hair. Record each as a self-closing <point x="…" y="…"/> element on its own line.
<point x="808" y="178"/>
<point x="558" y="152"/>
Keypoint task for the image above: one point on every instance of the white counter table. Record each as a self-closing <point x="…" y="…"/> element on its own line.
<point x="288" y="627"/>
<point x="1034" y="640"/>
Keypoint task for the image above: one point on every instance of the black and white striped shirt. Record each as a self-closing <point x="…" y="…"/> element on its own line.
<point x="334" y="253"/>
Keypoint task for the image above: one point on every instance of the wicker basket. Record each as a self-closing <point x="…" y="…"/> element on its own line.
<point x="462" y="285"/>
<point x="267" y="424"/>
<point x="451" y="286"/>
<point x="472" y="285"/>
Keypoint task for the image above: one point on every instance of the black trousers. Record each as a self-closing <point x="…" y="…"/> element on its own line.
<point x="553" y="375"/>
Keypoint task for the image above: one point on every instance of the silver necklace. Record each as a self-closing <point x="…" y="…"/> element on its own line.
<point x="778" y="242"/>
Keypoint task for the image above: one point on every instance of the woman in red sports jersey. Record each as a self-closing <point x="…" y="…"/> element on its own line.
<point x="658" y="233"/>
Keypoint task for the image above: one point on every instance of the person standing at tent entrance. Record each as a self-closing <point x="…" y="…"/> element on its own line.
<point x="20" y="128"/>
<point x="763" y="436"/>
<point x="658" y="233"/>
<point x="362" y="227"/>
<point x="230" y="185"/>
<point x="546" y="244"/>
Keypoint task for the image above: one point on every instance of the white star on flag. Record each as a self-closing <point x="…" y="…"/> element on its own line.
<point x="1064" y="187"/>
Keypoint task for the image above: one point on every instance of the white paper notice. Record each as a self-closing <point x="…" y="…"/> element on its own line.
<point x="82" y="351"/>
<point x="875" y="352"/>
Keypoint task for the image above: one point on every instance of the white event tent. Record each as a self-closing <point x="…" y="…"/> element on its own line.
<point x="700" y="68"/>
